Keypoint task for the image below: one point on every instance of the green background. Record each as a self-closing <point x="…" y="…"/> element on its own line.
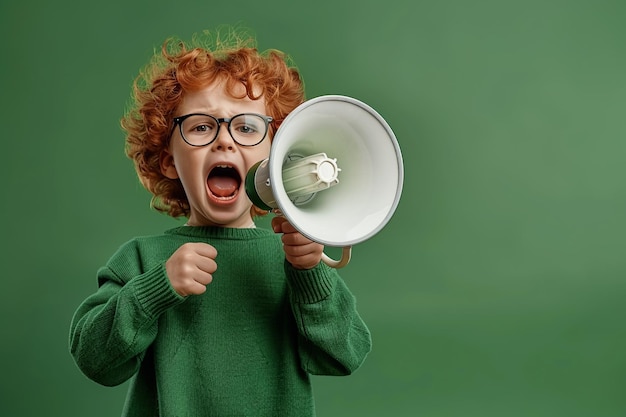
<point x="497" y="289"/>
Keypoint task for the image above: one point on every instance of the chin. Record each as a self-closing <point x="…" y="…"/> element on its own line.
<point x="236" y="217"/>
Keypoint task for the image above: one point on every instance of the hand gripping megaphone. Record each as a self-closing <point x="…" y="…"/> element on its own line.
<point x="334" y="171"/>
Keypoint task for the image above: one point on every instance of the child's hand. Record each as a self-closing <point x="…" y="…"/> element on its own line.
<point x="300" y="251"/>
<point x="190" y="269"/>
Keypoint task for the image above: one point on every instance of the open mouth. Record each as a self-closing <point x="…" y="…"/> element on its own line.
<point x="224" y="182"/>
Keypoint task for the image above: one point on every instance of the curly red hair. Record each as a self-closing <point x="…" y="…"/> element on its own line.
<point x="184" y="67"/>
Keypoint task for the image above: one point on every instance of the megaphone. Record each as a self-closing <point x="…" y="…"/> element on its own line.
<point x="334" y="171"/>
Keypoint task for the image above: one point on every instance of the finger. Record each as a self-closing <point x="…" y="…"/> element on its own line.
<point x="295" y="239"/>
<point x="194" y="288"/>
<point x="307" y="261"/>
<point x="204" y="249"/>
<point x="206" y="265"/>
<point x="288" y="227"/>
<point x="277" y="223"/>
<point x="195" y="285"/>
<point x="303" y="250"/>
<point x="203" y="278"/>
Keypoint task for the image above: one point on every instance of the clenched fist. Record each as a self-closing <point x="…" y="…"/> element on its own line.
<point x="190" y="269"/>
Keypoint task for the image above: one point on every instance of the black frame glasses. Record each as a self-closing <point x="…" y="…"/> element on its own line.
<point x="237" y="137"/>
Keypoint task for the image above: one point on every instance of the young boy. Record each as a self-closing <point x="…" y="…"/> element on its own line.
<point x="216" y="317"/>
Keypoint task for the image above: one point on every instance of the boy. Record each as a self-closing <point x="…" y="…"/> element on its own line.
<point x="216" y="317"/>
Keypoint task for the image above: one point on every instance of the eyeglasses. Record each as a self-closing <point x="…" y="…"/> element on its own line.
<point x="247" y="129"/>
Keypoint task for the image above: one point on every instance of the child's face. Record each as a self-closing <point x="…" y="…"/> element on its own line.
<point x="213" y="175"/>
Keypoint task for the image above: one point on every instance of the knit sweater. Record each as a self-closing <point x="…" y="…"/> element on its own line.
<point x="246" y="347"/>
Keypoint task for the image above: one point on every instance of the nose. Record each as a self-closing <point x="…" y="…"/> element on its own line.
<point x="223" y="141"/>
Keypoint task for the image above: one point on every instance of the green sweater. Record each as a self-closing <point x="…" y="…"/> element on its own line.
<point x="245" y="347"/>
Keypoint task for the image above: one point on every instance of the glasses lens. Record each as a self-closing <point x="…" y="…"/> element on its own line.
<point x="198" y="130"/>
<point x="248" y="129"/>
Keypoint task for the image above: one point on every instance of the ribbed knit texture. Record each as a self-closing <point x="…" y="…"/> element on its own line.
<point x="245" y="347"/>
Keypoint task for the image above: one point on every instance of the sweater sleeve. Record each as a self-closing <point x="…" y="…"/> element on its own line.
<point x="112" y="329"/>
<point x="333" y="339"/>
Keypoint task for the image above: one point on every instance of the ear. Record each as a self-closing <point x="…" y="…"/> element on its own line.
<point x="168" y="168"/>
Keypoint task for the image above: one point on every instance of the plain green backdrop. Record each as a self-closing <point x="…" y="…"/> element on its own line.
<point x="497" y="289"/>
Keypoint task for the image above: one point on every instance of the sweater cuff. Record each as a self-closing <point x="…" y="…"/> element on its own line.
<point x="308" y="286"/>
<point x="154" y="291"/>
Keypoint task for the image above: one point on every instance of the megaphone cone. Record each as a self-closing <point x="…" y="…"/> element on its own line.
<point x="334" y="171"/>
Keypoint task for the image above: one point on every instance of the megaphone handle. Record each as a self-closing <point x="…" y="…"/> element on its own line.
<point x="346" y="253"/>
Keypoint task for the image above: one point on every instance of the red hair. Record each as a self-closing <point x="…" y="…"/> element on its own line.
<point x="179" y="68"/>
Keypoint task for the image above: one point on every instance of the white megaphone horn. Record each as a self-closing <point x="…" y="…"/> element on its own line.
<point x="334" y="171"/>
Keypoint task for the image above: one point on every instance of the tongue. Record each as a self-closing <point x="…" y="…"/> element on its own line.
<point x="223" y="186"/>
